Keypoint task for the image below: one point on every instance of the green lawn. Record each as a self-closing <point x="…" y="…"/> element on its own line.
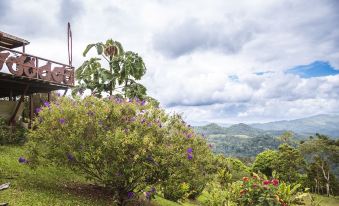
<point x="51" y="185"/>
<point x="45" y="185"/>
<point x="324" y="201"/>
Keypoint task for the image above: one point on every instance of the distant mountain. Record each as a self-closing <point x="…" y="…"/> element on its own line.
<point x="323" y="124"/>
<point x="239" y="140"/>
<point x="244" y="140"/>
<point x="210" y="129"/>
<point x="243" y="129"/>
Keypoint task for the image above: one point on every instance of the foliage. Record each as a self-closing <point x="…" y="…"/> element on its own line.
<point x="229" y="169"/>
<point x="11" y="134"/>
<point x="226" y="195"/>
<point x="290" y="164"/>
<point x="125" y="146"/>
<point x="124" y="69"/>
<point x="287" y="162"/>
<point x="322" y="154"/>
<point x="186" y="174"/>
<point x="256" y="191"/>
<point x="265" y="162"/>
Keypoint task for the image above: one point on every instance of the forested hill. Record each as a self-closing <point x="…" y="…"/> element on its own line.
<point x="244" y="140"/>
<point x="238" y="140"/>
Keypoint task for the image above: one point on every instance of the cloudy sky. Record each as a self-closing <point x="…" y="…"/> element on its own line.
<point x="214" y="61"/>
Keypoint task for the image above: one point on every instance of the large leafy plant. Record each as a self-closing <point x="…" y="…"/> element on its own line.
<point x="114" y="71"/>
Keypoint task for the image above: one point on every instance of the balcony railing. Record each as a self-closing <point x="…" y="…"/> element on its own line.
<point x="33" y="67"/>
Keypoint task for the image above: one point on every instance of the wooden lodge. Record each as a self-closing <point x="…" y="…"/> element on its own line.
<point x="23" y="74"/>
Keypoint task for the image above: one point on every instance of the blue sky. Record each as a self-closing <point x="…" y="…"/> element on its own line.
<point x="213" y="61"/>
<point x="315" y="69"/>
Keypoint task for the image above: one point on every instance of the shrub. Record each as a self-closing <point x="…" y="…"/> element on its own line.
<point x="187" y="172"/>
<point x="11" y="134"/>
<point x="256" y="191"/>
<point x="125" y="146"/>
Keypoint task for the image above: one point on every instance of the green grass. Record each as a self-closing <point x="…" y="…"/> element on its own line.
<point x="324" y="201"/>
<point x="44" y="186"/>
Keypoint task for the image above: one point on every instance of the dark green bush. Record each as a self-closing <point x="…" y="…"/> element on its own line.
<point x="11" y="134"/>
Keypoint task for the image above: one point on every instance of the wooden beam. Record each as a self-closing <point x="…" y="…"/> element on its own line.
<point x="12" y="120"/>
<point x="31" y="108"/>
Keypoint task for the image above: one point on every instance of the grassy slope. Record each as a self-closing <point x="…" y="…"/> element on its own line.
<point x="43" y="186"/>
<point x="58" y="186"/>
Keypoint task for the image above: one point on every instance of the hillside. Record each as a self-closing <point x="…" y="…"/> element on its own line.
<point x="323" y="124"/>
<point x="244" y="140"/>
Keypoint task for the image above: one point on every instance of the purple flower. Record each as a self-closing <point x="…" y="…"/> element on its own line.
<point x="38" y="110"/>
<point x="90" y="113"/>
<point x="22" y="160"/>
<point x="189" y="156"/>
<point x="149" y="158"/>
<point x="47" y="104"/>
<point x="130" y="195"/>
<point x="153" y="190"/>
<point x="118" y="100"/>
<point x="101" y="122"/>
<point x="143" y="120"/>
<point x="62" y="121"/>
<point x="70" y="157"/>
<point x="189" y="135"/>
<point x="132" y="119"/>
<point x="143" y="102"/>
<point x="58" y="94"/>
<point x="148" y="195"/>
<point x="189" y="150"/>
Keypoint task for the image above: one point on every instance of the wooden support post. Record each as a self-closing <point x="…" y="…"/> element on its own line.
<point x="11" y="95"/>
<point x="31" y="107"/>
<point x="49" y="97"/>
<point x="12" y="120"/>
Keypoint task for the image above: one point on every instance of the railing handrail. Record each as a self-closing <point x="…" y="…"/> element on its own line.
<point x="44" y="59"/>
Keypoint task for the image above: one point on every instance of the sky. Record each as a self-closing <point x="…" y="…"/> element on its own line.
<point x="217" y="61"/>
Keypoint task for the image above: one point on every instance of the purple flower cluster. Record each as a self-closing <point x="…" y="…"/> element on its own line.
<point x="38" y="110"/>
<point x="90" y="113"/>
<point x="22" y="160"/>
<point x="189" y="153"/>
<point x="62" y="121"/>
<point x="46" y="104"/>
<point x="70" y="157"/>
<point x="149" y="194"/>
<point x="130" y="195"/>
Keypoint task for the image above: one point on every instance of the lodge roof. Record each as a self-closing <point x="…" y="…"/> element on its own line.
<point x="9" y="41"/>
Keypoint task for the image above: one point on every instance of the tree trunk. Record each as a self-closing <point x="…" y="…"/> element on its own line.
<point x="327" y="178"/>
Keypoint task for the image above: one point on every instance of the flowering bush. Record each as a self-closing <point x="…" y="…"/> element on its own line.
<point x="187" y="172"/>
<point x="255" y="191"/>
<point x="126" y="146"/>
<point x="258" y="191"/>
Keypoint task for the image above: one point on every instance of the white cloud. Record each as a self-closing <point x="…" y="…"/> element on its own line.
<point x="191" y="48"/>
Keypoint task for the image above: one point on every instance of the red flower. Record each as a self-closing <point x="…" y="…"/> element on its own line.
<point x="242" y="192"/>
<point x="275" y="182"/>
<point x="254" y="185"/>
<point x="245" y="179"/>
<point x="266" y="182"/>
